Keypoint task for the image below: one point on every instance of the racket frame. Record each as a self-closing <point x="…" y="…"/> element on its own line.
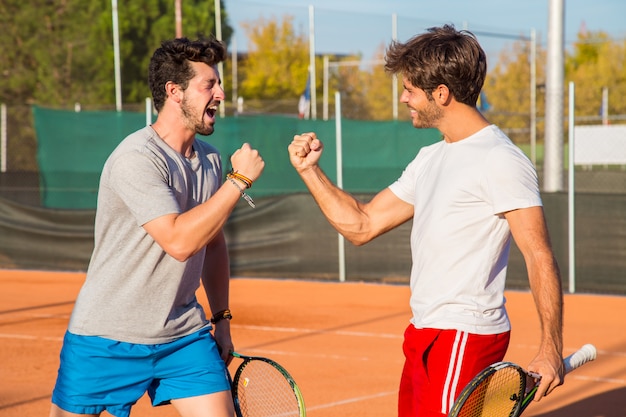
<point x="583" y="355"/>
<point x="246" y="361"/>
<point x="485" y="374"/>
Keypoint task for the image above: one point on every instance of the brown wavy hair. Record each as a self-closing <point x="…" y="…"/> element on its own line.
<point x="171" y="61"/>
<point x="442" y="55"/>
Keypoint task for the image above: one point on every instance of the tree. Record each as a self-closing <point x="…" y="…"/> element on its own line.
<point x="365" y="87"/>
<point x="58" y="53"/>
<point x="593" y="63"/>
<point x="597" y="62"/>
<point x="40" y="41"/>
<point x="507" y="90"/>
<point x="278" y="59"/>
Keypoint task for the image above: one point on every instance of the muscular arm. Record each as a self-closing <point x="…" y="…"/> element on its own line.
<point x="530" y="232"/>
<point x="358" y="222"/>
<point x="182" y="235"/>
<point x="216" y="283"/>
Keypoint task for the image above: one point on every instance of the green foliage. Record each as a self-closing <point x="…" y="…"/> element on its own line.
<point x="277" y="62"/>
<point x="595" y="63"/>
<point x="61" y="52"/>
<point x="507" y="89"/>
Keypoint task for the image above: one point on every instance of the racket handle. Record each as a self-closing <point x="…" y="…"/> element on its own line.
<point x="583" y="355"/>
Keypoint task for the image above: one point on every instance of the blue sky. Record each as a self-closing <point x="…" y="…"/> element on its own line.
<point x="362" y="26"/>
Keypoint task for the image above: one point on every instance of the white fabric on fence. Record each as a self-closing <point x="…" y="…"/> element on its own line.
<point x="600" y="145"/>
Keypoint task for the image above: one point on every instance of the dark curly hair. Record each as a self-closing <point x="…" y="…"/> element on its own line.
<point x="170" y="62"/>
<point x="442" y="55"/>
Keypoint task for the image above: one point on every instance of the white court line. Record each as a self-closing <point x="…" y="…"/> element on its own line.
<point x="351" y="400"/>
<point x="30" y="337"/>
<point x="265" y="352"/>
<point x="319" y="331"/>
<point x="384" y="394"/>
<point x="597" y="379"/>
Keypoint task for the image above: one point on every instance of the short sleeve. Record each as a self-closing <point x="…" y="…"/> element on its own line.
<point x="404" y="187"/>
<point x="142" y="184"/>
<point x="511" y="180"/>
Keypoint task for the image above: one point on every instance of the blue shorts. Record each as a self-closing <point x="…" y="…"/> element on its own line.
<point x="98" y="374"/>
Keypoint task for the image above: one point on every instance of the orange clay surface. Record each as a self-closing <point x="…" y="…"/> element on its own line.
<point x="340" y="341"/>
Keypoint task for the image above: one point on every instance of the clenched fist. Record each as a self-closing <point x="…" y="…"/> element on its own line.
<point x="248" y="162"/>
<point x="305" y="151"/>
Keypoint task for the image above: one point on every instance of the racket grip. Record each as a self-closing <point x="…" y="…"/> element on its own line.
<point x="583" y="355"/>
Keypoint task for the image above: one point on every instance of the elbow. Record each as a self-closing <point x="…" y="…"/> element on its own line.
<point x="180" y="256"/>
<point x="181" y="253"/>
<point x="358" y="239"/>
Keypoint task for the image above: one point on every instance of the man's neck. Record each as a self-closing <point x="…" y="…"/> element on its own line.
<point x="174" y="134"/>
<point x="462" y="123"/>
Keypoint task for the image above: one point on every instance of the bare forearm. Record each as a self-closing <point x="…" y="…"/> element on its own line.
<point x="358" y="222"/>
<point x="341" y="209"/>
<point x="216" y="283"/>
<point x="216" y="274"/>
<point x="183" y="235"/>
<point x="530" y="231"/>
<point x="545" y="284"/>
<point x="197" y="227"/>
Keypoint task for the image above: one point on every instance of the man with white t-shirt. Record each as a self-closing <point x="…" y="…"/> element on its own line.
<point x="467" y="195"/>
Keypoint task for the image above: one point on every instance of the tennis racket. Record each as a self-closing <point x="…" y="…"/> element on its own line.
<point x="263" y="388"/>
<point x="500" y="390"/>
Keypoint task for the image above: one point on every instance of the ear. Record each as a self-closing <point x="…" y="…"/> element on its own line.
<point x="441" y="94"/>
<point x="173" y="91"/>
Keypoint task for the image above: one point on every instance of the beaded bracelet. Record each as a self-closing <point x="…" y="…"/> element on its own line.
<point x="222" y="315"/>
<point x="240" y="177"/>
<point x="243" y="193"/>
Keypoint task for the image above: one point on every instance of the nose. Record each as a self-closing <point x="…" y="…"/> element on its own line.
<point x="218" y="92"/>
<point x="404" y="97"/>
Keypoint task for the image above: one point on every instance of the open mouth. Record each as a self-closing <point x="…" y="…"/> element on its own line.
<point x="212" y="109"/>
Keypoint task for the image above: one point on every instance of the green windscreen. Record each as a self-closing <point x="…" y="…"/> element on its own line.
<point x="72" y="148"/>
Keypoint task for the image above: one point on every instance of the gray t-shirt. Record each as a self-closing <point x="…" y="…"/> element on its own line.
<point x="134" y="291"/>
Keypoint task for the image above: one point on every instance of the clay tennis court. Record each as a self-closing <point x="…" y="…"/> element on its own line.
<point x="340" y="341"/>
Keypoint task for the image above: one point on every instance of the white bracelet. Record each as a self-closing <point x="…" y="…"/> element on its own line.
<point x="243" y="193"/>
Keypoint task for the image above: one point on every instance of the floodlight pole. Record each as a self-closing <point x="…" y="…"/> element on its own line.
<point x="178" y="16"/>
<point x="533" y="96"/>
<point x="3" y="137"/>
<point x="553" y="159"/>
<point x="339" y="148"/>
<point x="116" y="57"/>
<point x="325" y="90"/>
<point x="148" y="111"/>
<point x="570" y="191"/>
<point x="312" y="61"/>
<point x="235" y="87"/>
<point x="218" y="35"/>
<point x="394" y="77"/>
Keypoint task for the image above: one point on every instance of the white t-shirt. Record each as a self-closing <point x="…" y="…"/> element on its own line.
<point x="460" y="239"/>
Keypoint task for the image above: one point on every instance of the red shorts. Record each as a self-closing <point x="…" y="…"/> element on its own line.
<point x="438" y="365"/>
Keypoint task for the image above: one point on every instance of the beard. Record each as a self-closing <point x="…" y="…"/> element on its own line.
<point x="195" y="121"/>
<point x="427" y="117"/>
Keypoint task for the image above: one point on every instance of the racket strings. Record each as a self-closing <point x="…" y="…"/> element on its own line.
<point x="499" y="394"/>
<point x="263" y="391"/>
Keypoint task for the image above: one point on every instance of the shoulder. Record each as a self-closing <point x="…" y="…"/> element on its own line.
<point x="502" y="148"/>
<point x="139" y="151"/>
